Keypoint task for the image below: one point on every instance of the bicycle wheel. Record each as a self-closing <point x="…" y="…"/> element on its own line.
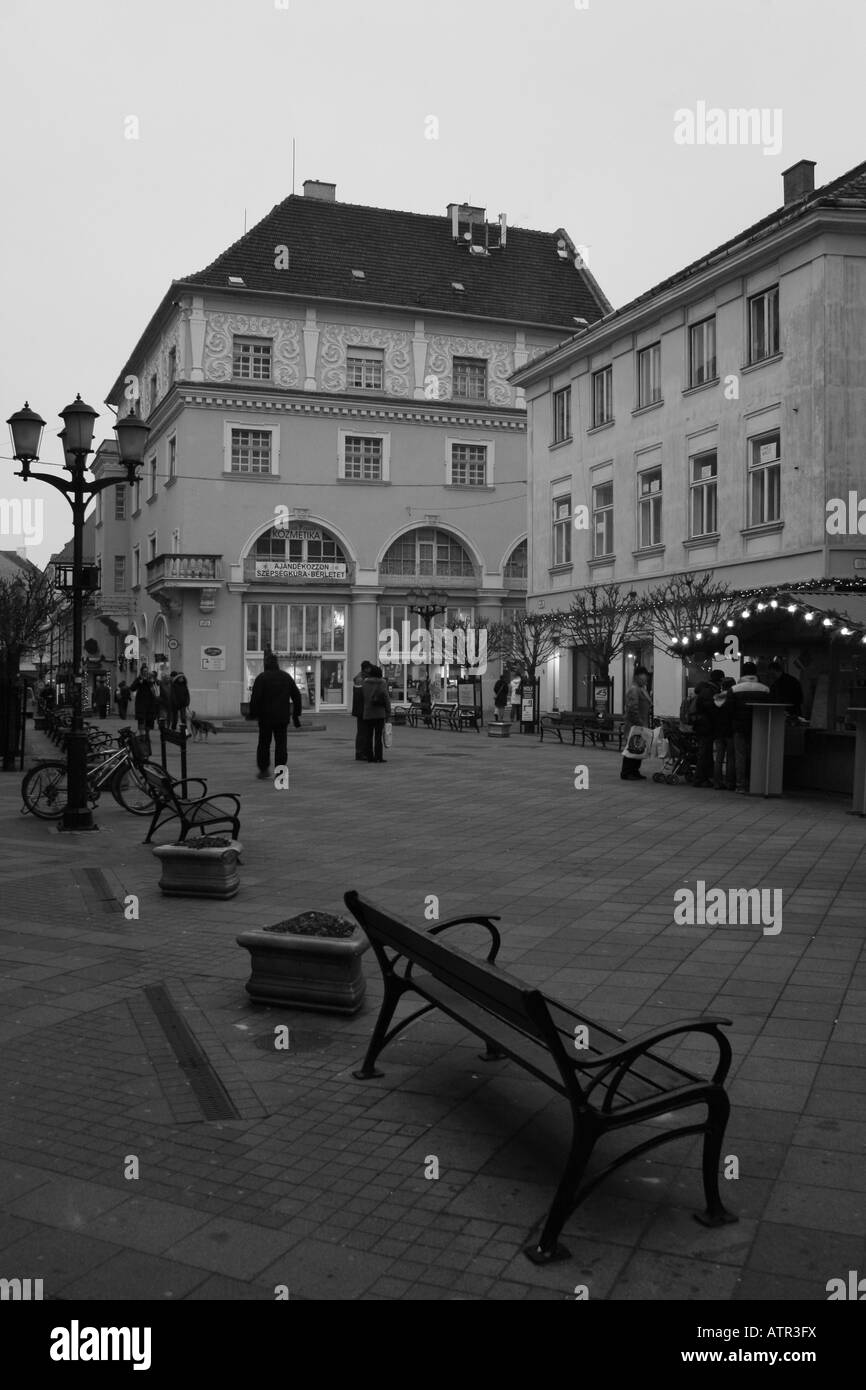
<point x="130" y="790"/>
<point x="44" y="791"/>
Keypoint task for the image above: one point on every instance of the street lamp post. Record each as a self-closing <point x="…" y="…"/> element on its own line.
<point x="77" y="437"/>
<point x="426" y="607"/>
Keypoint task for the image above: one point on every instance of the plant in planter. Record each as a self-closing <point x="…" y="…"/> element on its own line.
<point x="312" y="961"/>
<point x="204" y="867"/>
<point x="499" y="729"/>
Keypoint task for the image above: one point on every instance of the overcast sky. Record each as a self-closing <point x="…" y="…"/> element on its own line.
<point x="556" y="112"/>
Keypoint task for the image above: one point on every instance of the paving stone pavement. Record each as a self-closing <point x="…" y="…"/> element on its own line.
<point x="316" y="1181"/>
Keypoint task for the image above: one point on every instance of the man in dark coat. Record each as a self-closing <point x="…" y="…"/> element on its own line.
<point x="275" y="699"/>
<point x="146" y="707"/>
<point x="358" y="709"/>
<point x="705" y="693"/>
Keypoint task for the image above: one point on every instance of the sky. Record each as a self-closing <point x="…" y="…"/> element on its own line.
<point x="137" y="138"/>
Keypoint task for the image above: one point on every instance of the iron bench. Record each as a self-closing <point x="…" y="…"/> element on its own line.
<point x="564" y="721"/>
<point x="606" y="730"/>
<point x="194" y="813"/>
<point x="609" y="1083"/>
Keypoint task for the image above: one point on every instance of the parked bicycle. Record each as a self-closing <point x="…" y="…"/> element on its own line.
<point x="44" y="789"/>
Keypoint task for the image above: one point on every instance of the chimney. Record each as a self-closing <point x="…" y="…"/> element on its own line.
<point x="798" y="180"/>
<point x="325" y="192"/>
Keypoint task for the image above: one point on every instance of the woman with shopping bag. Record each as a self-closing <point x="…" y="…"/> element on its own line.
<point x="638" y="714"/>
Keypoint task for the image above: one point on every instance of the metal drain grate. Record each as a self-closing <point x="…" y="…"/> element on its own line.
<point x="100" y="890"/>
<point x="209" y="1091"/>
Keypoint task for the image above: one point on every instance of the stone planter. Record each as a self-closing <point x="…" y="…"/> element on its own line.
<point x="207" y="872"/>
<point x="294" y="967"/>
<point x="499" y="729"/>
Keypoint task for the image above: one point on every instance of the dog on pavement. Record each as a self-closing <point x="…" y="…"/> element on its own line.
<point x="200" y="728"/>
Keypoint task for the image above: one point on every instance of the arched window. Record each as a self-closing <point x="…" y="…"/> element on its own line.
<point x="516" y="564"/>
<point x="288" y="551"/>
<point x="427" y="551"/>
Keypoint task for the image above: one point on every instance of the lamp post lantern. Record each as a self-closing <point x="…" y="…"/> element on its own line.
<point x="77" y="438"/>
<point x="426" y="606"/>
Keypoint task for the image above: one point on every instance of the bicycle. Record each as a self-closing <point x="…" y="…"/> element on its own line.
<point x="44" y="789"/>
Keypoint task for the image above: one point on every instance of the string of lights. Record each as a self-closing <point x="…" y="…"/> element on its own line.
<point x="782" y="598"/>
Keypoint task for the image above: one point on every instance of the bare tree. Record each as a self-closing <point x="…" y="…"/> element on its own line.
<point x="529" y="640"/>
<point x="689" y="604"/>
<point x="601" y="620"/>
<point x="27" y="601"/>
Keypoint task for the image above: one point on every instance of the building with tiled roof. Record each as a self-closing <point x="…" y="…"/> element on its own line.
<point x="715" y="423"/>
<point x="333" y="428"/>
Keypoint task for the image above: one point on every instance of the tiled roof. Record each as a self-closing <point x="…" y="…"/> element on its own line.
<point x="846" y="193"/>
<point x="410" y="260"/>
<point x="13" y="565"/>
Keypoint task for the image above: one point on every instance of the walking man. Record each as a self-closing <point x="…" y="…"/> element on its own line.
<point x="275" y="699"/>
<point x="514" y="693"/>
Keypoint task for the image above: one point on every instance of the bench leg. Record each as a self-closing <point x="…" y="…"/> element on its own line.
<point x="548" y="1249"/>
<point x="719" y="1108"/>
<point x="491" y="1053"/>
<point x="377" y="1042"/>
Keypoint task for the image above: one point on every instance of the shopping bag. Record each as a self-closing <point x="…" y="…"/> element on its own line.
<point x="388" y="734"/>
<point x="638" y="742"/>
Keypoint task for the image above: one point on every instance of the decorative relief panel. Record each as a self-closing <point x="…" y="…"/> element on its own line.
<point x="500" y="365"/>
<point x="397" y="349"/>
<point x="284" y="333"/>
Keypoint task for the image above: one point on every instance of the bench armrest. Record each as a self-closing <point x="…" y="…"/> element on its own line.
<point x="496" y="939"/>
<point x="186" y="781"/>
<point x="621" y="1059"/>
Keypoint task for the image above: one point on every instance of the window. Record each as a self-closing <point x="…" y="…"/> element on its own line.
<point x="516" y="566"/>
<point x="602" y="520"/>
<point x="120" y="501"/>
<point x="99" y="509"/>
<point x="765" y="479"/>
<point x="151" y="546"/>
<point x="175" y="542"/>
<point x="136" y="566"/>
<point x="251" y="359"/>
<point x="649" y="508"/>
<point x="120" y="574"/>
<point x="602" y="396"/>
<point x="649" y="375"/>
<point x="702" y="352"/>
<point x="468" y="465"/>
<point x="99" y="571"/>
<point x="251" y="451"/>
<point x="172" y="457"/>
<point x="151" y="477"/>
<point x="470" y="378"/>
<point x="703" y="485"/>
<point x="362" y="458"/>
<point x="562" y="415"/>
<point x="562" y="530"/>
<point x="427" y="551"/>
<point x="172" y="365"/>
<point x="136" y="496"/>
<point x="153" y="391"/>
<point x="764" y="325"/>
<point x="365" y="368"/>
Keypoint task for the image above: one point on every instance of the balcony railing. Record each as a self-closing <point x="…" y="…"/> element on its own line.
<point x="184" y="569"/>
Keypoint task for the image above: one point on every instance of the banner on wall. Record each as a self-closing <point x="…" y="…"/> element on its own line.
<point x="299" y="569"/>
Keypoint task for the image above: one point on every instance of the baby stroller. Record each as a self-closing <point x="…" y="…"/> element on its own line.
<point x="681" y="762"/>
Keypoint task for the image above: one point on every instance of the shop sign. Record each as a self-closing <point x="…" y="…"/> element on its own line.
<point x="213" y="658"/>
<point x="527" y="704"/>
<point x="297" y="533"/>
<point x="298" y="569"/>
